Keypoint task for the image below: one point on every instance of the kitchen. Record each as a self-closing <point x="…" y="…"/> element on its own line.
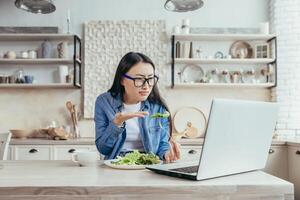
<point x="110" y="24"/>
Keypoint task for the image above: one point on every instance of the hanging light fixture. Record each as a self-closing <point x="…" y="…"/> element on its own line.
<point x="183" y="5"/>
<point x="36" y="6"/>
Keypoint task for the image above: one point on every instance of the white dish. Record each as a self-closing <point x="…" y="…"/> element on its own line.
<point x="190" y="114"/>
<point x="131" y="167"/>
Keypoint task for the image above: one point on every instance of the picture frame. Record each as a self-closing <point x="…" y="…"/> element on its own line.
<point x="261" y="50"/>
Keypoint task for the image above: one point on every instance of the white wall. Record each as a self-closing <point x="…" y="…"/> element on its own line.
<point x="35" y="112"/>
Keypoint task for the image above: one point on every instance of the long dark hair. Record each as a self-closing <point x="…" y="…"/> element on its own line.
<point x="126" y="63"/>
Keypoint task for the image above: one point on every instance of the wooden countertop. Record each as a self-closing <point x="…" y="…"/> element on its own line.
<point x="64" y="180"/>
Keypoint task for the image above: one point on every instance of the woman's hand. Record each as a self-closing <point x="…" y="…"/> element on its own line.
<point x="120" y="118"/>
<point x="174" y="153"/>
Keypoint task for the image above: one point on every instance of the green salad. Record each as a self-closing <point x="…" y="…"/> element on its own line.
<point x="137" y="158"/>
<point x="161" y="115"/>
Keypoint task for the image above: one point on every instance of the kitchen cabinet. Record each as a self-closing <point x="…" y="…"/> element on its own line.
<point x="294" y="168"/>
<point x="34" y="152"/>
<point x="277" y="163"/>
<point x="218" y="69"/>
<point x="190" y="153"/>
<point x="44" y="70"/>
<point x="45" y="152"/>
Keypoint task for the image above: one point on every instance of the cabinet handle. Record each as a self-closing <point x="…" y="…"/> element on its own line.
<point x="33" y="151"/>
<point x="271" y="151"/>
<point x="298" y="152"/>
<point x="72" y="150"/>
<point x="192" y="151"/>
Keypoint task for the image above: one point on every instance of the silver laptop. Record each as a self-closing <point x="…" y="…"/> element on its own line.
<point x="237" y="139"/>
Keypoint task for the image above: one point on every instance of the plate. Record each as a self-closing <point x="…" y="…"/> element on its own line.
<point x="131" y="167"/>
<point x="192" y="73"/>
<point x="190" y="114"/>
<point x="241" y="49"/>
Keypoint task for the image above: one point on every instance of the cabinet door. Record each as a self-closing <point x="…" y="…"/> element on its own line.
<point x="294" y="168"/>
<point x="32" y="152"/>
<point x="64" y="152"/>
<point x="277" y="162"/>
<point x="190" y="153"/>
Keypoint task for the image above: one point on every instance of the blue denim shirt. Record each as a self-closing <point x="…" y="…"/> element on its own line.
<point x="110" y="138"/>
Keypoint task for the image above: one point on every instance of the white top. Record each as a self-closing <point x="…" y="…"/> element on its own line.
<point x="133" y="139"/>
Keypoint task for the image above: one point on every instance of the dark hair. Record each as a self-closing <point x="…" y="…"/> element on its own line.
<point x="126" y="63"/>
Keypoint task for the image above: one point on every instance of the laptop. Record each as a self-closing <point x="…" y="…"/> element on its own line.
<point x="237" y="139"/>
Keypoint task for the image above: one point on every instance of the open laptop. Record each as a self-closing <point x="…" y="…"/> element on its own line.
<point x="237" y="139"/>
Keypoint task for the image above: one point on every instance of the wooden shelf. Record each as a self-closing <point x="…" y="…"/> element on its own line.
<point x="30" y="86"/>
<point x="36" y="37"/>
<point x="224" y="61"/>
<point x="223" y="37"/>
<point x="36" y="61"/>
<point x="223" y="85"/>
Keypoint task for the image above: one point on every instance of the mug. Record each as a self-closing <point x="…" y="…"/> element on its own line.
<point x="28" y="78"/>
<point x="85" y="158"/>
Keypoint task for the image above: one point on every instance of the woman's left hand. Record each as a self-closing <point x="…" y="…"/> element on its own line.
<point x="174" y="153"/>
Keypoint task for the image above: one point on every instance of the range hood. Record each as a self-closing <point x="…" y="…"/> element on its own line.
<point x="36" y="6"/>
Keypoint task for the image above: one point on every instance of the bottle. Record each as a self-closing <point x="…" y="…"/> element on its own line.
<point x="177" y="52"/>
<point x="191" y="55"/>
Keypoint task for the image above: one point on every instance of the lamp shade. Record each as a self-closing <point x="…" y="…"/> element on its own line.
<point x="183" y="5"/>
<point x="36" y="6"/>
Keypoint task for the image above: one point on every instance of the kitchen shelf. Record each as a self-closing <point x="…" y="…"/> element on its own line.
<point x="269" y="38"/>
<point x="224" y="61"/>
<point x="223" y="85"/>
<point x="36" y="37"/>
<point x="223" y="37"/>
<point x="75" y="60"/>
<point x="37" y="61"/>
<point x="32" y="86"/>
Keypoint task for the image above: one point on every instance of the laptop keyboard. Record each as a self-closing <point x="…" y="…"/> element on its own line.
<point x="188" y="170"/>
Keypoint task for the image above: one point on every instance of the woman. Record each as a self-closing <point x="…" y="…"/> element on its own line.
<point x="123" y="120"/>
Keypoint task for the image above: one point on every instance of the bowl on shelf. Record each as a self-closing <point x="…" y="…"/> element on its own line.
<point x="20" y="133"/>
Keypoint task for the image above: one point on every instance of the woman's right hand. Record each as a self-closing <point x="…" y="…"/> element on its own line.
<point x="120" y="117"/>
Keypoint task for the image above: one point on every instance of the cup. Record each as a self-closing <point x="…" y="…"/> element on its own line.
<point x="28" y="78"/>
<point x="85" y="158"/>
<point x="32" y="54"/>
<point x="24" y="54"/>
<point x="63" y="71"/>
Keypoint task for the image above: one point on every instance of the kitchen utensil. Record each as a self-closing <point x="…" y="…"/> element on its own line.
<point x="73" y="113"/>
<point x="192" y="73"/>
<point x="192" y="115"/>
<point x="20" y="133"/>
<point x="241" y="49"/>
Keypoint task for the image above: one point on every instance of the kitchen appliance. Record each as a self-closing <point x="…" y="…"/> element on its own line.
<point x="36" y="6"/>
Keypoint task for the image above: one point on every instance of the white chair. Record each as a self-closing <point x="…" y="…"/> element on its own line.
<point x="4" y="143"/>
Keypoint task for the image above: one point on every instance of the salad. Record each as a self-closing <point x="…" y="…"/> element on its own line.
<point x="161" y="115"/>
<point x="137" y="158"/>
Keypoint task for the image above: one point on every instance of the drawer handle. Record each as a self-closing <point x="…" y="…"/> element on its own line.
<point x="72" y="150"/>
<point x="271" y="151"/>
<point x="33" y="151"/>
<point x="192" y="151"/>
<point x="298" y="152"/>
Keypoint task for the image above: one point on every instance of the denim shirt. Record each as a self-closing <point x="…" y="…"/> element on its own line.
<point x="110" y="138"/>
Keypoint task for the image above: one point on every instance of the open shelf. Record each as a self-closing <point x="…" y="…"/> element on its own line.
<point x="223" y="85"/>
<point x="37" y="61"/>
<point x="31" y="86"/>
<point x="223" y="37"/>
<point x="35" y="37"/>
<point x="224" y="61"/>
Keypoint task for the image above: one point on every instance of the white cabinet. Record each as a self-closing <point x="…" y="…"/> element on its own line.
<point x="277" y="163"/>
<point x="294" y="168"/>
<point x="45" y="152"/>
<point x="32" y="152"/>
<point x="190" y="153"/>
<point x="64" y="152"/>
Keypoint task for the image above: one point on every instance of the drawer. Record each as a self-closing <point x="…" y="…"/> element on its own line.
<point x="190" y="153"/>
<point x="32" y="152"/>
<point x="64" y="152"/>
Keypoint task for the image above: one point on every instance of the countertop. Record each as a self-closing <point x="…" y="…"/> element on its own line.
<point x="91" y="141"/>
<point x="63" y="180"/>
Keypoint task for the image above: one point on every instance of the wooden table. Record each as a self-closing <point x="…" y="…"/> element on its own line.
<point x="62" y="180"/>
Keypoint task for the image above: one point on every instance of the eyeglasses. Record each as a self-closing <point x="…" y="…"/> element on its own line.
<point x="140" y="82"/>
